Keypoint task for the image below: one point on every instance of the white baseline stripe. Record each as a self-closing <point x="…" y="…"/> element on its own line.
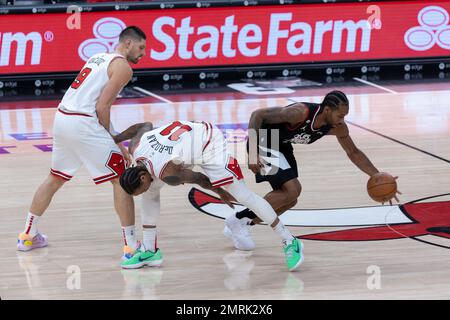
<point x="375" y="85"/>
<point x="364" y="216"/>
<point x="152" y="94"/>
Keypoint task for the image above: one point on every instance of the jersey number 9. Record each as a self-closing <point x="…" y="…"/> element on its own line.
<point x="80" y="78"/>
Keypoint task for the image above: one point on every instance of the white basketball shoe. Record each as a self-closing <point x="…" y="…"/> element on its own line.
<point x="238" y="231"/>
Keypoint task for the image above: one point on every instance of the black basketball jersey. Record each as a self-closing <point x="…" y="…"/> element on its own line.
<point x="302" y="133"/>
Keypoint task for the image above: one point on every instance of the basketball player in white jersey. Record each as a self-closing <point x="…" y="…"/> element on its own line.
<point x="165" y="156"/>
<point x="81" y="136"/>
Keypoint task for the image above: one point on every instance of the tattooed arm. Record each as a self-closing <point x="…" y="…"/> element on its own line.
<point x="175" y="175"/>
<point x="134" y="133"/>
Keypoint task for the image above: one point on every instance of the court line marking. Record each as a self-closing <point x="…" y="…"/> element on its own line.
<point x="295" y="97"/>
<point x="374" y="85"/>
<point x="417" y="237"/>
<point x="148" y="93"/>
<point x="398" y="141"/>
<point x="239" y="100"/>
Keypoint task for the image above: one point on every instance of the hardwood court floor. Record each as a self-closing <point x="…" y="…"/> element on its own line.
<point x="200" y="263"/>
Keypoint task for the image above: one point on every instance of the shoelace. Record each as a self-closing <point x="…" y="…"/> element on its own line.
<point x="244" y="229"/>
<point x="290" y="251"/>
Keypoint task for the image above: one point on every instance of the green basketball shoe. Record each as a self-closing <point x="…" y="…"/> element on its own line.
<point x="293" y="253"/>
<point x="143" y="258"/>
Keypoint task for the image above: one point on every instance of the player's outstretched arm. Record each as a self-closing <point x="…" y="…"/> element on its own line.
<point x="293" y="114"/>
<point x="354" y="154"/>
<point x="175" y="175"/>
<point x="133" y="131"/>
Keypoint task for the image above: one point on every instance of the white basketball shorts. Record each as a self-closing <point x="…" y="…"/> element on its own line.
<point x="217" y="163"/>
<point x="79" y="139"/>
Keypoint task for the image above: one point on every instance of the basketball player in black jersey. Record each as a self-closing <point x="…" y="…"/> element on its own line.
<point x="271" y="155"/>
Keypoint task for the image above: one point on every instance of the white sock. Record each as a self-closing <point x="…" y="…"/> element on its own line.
<point x="149" y="238"/>
<point x="31" y="224"/>
<point x="129" y="236"/>
<point x="284" y="233"/>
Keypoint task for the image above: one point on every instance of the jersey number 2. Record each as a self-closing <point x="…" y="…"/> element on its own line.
<point x="80" y="78"/>
<point x="180" y="129"/>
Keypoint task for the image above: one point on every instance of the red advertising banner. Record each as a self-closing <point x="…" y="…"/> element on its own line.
<point x="180" y="38"/>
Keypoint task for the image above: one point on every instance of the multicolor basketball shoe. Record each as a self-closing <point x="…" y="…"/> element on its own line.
<point x="27" y="242"/>
<point x="293" y="253"/>
<point x="129" y="252"/>
<point x="143" y="257"/>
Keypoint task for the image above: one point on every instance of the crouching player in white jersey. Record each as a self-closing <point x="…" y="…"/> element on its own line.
<point x="164" y="155"/>
<point x="81" y="136"/>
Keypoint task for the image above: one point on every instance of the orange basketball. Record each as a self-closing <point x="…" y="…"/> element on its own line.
<point x="382" y="187"/>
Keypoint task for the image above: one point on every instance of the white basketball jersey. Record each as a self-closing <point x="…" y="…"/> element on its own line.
<point x="179" y="141"/>
<point x="83" y="94"/>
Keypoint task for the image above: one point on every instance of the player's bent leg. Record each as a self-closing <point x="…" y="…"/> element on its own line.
<point x="283" y="198"/>
<point x="251" y="200"/>
<point x="293" y="189"/>
<point x="124" y="205"/>
<point x="104" y="161"/>
<point x="285" y="208"/>
<point x="30" y="238"/>
<point x="45" y="193"/>
<point x="287" y="193"/>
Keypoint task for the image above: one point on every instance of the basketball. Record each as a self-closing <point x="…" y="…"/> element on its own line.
<point x="382" y="187"/>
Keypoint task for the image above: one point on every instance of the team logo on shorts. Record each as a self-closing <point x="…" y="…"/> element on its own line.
<point x="427" y="222"/>
<point x="116" y="163"/>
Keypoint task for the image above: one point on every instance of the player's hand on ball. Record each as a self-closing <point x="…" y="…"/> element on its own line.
<point x="382" y="187"/>
<point x="226" y="197"/>
<point x="395" y="196"/>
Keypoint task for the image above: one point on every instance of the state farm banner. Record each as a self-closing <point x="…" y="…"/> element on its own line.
<point x="229" y="36"/>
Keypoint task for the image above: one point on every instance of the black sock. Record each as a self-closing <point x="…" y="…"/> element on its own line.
<point x="246" y="213"/>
